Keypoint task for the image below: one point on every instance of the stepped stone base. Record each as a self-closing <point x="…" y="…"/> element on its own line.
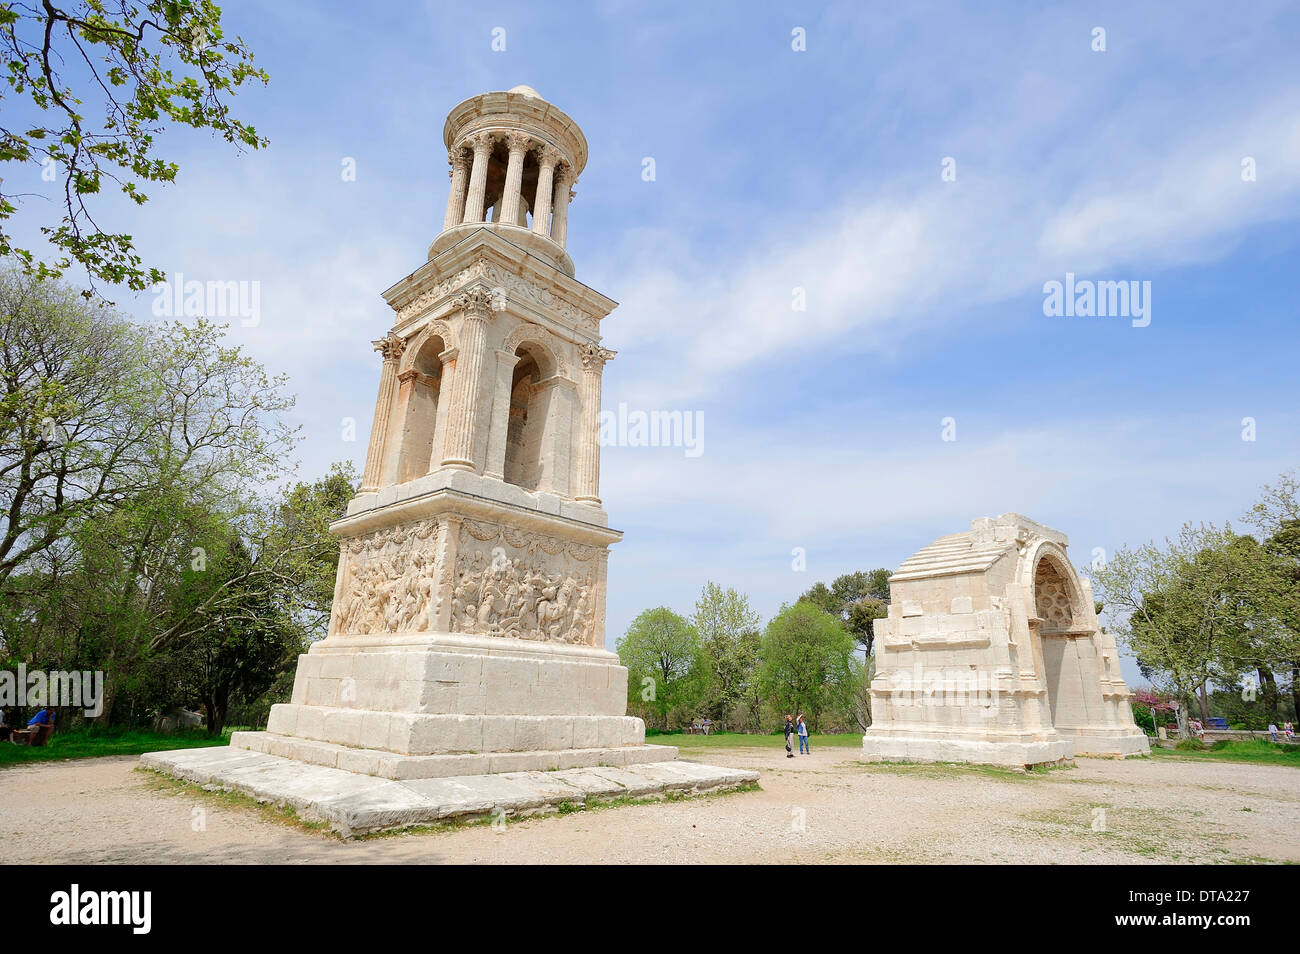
<point x="355" y="804"/>
<point x="387" y="764"/>
<point x="1013" y="754"/>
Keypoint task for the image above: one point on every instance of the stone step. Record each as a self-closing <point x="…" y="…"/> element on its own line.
<point x="392" y="765"/>
<point x="355" y="804"/>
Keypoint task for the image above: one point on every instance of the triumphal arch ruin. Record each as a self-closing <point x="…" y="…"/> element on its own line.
<point x="992" y="652"/>
<point x="467" y="637"/>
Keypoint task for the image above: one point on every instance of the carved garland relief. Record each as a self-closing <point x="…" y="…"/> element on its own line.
<point x="512" y="285"/>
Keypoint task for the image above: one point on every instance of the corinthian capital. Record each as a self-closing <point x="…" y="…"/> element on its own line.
<point x="548" y="155"/>
<point x="390" y="346"/>
<point x="519" y="141"/>
<point x="475" y="302"/>
<point x="593" y="357"/>
<point x="457" y="159"/>
<point x="482" y="142"/>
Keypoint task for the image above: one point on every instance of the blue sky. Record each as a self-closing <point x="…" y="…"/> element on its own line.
<point x="818" y="169"/>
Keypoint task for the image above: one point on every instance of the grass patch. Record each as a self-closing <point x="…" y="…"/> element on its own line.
<point x="741" y="740"/>
<point x="94" y="741"/>
<point x="227" y="798"/>
<point x="1258" y="751"/>
<point x="1167" y="835"/>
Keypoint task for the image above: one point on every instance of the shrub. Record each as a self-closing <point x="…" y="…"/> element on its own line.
<point x="1142" y="716"/>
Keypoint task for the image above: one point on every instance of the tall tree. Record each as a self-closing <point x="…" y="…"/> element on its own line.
<point x="729" y="634"/>
<point x="857" y="600"/>
<point x="1183" y="609"/>
<point x="807" y="662"/>
<point x="78" y="421"/>
<point x="666" y="665"/>
<point x="1276" y="515"/>
<point x="117" y="444"/>
<point x="143" y="66"/>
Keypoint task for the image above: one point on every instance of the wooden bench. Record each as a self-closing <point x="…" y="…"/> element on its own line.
<point x="37" y="735"/>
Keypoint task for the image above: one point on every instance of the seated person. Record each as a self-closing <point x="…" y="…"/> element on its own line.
<point x="40" y="726"/>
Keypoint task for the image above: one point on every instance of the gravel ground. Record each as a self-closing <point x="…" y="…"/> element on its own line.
<point x="826" y="807"/>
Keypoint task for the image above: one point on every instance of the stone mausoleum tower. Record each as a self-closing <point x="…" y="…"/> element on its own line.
<point x="468" y="630"/>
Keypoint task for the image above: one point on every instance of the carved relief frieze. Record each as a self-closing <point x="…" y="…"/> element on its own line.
<point x="388" y="580"/>
<point x="510" y="582"/>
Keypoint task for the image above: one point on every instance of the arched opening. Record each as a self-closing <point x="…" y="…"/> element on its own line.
<point x="1069" y="660"/>
<point x="526" y="427"/>
<point x="419" y="391"/>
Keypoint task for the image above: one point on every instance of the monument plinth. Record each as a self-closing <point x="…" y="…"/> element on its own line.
<point x="992" y="653"/>
<point x="467" y="635"/>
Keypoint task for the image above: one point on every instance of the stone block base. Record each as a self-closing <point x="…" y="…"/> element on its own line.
<point x="425" y="733"/>
<point x="1116" y="744"/>
<point x="1013" y="754"/>
<point x="354" y="804"/>
<point x="383" y="763"/>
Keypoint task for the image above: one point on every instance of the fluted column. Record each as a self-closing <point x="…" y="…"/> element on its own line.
<point x="547" y="159"/>
<point x="456" y="200"/>
<point x="482" y="144"/>
<point x="391" y="347"/>
<point x="518" y="143"/>
<point x="563" y="193"/>
<point x="463" y="417"/>
<point x="587" y="486"/>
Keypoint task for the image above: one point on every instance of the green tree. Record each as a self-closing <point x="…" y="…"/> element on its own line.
<point x="120" y="448"/>
<point x="862" y="671"/>
<point x="807" y="662"/>
<point x="729" y="634"/>
<point x="667" y="668"/>
<point x="856" y="599"/>
<point x="1276" y="515"/>
<point x="144" y="67"/>
<point x="77" y="422"/>
<point x="239" y="651"/>
<point x="1185" y="610"/>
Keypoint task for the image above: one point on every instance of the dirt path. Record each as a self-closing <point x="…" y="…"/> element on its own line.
<point x="102" y="810"/>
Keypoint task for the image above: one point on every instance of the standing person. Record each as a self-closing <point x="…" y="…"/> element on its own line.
<point x="805" y="747"/>
<point x="789" y="731"/>
<point x="1272" y="730"/>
